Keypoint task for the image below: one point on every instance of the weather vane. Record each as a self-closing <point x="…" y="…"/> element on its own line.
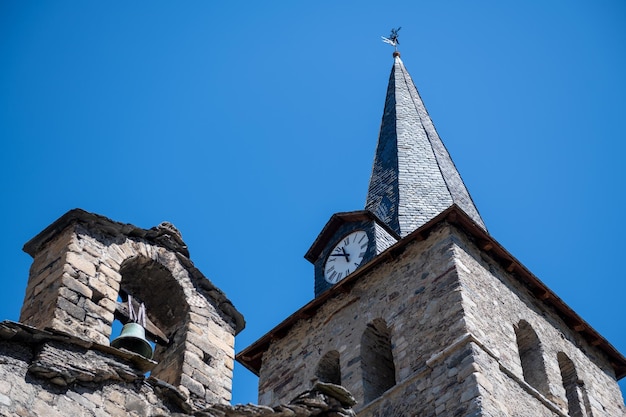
<point x="393" y="38"/>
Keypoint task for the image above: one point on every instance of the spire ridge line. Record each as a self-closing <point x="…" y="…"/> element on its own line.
<point x="413" y="176"/>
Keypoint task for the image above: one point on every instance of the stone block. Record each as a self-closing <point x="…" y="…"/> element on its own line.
<point x="45" y="284"/>
<point x="114" y="410"/>
<point x="484" y="382"/>
<point x="76" y="286"/>
<point x="92" y="249"/>
<point x="109" y="273"/>
<point x="81" y="263"/>
<point x="5" y="401"/>
<point x="65" y="323"/>
<point x="103" y="288"/>
<point x="53" y="268"/>
<point x="108" y="304"/>
<point x="69" y="295"/>
<point x="40" y="408"/>
<point x="97" y="311"/>
<point x="192" y="385"/>
<point x="118" y="397"/>
<point x="116" y="254"/>
<point x="136" y="405"/>
<point x="70" y="308"/>
<point x="198" y="319"/>
<point x="206" y="381"/>
<point x="193" y="360"/>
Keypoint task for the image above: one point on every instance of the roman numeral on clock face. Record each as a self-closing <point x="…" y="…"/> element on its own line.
<point x="346" y="256"/>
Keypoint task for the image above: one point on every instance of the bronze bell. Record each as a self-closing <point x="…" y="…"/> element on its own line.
<point x="133" y="338"/>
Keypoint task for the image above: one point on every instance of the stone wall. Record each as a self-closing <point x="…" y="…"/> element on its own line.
<point x="495" y="303"/>
<point x="456" y="321"/>
<point x="417" y="296"/>
<point x="47" y="373"/>
<point x="58" y="361"/>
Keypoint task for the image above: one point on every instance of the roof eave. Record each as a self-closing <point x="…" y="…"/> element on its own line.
<point x="251" y="357"/>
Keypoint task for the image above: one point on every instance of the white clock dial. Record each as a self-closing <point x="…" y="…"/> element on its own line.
<point x="346" y="256"/>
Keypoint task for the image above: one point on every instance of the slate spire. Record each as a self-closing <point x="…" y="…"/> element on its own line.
<point x="413" y="177"/>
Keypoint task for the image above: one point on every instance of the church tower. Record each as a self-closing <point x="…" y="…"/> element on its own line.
<point x="418" y="311"/>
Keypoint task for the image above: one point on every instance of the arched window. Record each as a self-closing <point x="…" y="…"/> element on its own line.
<point x="379" y="372"/>
<point x="577" y="401"/>
<point x="166" y="307"/>
<point x="328" y="369"/>
<point x="531" y="357"/>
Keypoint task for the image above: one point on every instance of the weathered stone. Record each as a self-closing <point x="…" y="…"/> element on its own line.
<point x="97" y="311"/>
<point x="192" y="385"/>
<point x="92" y="382"/>
<point x="109" y="272"/>
<point x="441" y="365"/>
<point x="418" y="328"/>
<point x="81" y="263"/>
<point x="336" y="391"/>
<point x="76" y="286"/>
<point x="4" y="400"/>
<point x="70" y="308"/>
<point x="103" y="288"/>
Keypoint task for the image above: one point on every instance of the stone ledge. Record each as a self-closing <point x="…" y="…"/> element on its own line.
<point x="67" y="361"/>
<point x="165" y="234"/>
<point x="323" y="400"/>
<point x="19" y="332"/>
<point x="471" y="338"/>
<point x="63" y="364"/>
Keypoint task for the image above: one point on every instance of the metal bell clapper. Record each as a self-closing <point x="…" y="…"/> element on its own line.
<point x="133" y="338"/>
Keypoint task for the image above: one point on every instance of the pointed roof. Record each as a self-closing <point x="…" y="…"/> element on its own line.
<point x="413" y="177"/>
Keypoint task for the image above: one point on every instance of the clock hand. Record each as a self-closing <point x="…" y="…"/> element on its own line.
<point x="340" y="254"/>
<point x="343" y="249"/>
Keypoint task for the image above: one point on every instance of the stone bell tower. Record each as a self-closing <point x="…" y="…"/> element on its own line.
<point x="85" y="267"/>
<point x="419" y="311"/>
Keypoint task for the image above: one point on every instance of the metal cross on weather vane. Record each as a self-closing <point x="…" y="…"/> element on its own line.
<point x="393" y="38"/>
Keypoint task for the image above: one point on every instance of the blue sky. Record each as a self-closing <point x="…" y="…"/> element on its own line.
<point x="231" y="120"/>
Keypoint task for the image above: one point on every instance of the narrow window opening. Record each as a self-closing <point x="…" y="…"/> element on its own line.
<point x="328" y="369"/>
<point x="531" y="357"/>
<point x="577" y="400"/>
<point x="379" y="372"/>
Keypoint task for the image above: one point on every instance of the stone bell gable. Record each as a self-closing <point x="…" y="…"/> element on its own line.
<point x="88" y="272"/>
<point x="85" y="267"/>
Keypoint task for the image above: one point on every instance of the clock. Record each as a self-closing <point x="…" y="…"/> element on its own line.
<point x="346" y="256"/>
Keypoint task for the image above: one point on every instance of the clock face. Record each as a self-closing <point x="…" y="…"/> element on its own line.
<point x="346" y="256"/>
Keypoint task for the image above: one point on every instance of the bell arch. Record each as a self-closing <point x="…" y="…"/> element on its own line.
<point x="83" y="262"/>
<point x="149" y="282"/>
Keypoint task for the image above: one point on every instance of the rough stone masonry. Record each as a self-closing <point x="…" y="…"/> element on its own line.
<point x="57" y="361"/>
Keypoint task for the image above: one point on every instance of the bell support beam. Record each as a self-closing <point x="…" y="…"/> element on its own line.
<point x="123" y="315"/>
